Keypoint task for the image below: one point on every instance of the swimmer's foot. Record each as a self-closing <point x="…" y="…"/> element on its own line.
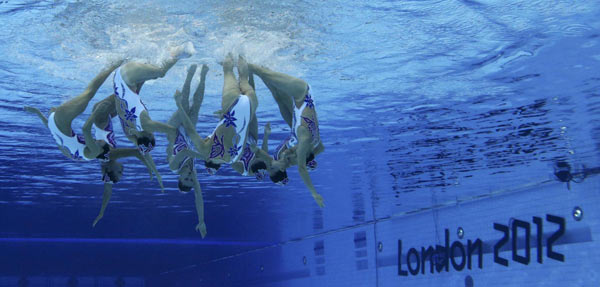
<point x="192" y="69"/>
<point x="228" y="62"/>
<point x="204" y="70"/>
<point x="183" y="51"/>
<point x="242" y="67"/>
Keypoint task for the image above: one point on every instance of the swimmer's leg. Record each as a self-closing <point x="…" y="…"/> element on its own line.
<point x="37" y="112"/>
<point x="67" y="111"/>
<point x="231" y="88"/>
<point x="245" y="87"/>
<point x="248" y="90"/>
<point x="175" y="120"/>
<point x="198" y="95"/>
<point x="285" y="89"/>
<point x="251" y="80"/>
<point x="253" y="123"/>
<point x="185" y="91"/>
<point x="135" y="74"/>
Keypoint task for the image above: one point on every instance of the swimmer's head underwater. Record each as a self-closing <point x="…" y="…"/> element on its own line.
<point x="145" y="142"/>
<point x="211" y="167"/>
<point x="279" y="177"/>
<point x="278" y="173"/>
<point x="185" y="182"/>
<point x="112" y="171"/>
<point x="259" y="169"/>
<point x="104" y="155"/>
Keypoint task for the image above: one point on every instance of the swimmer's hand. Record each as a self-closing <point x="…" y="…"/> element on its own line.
<point x="267" y="129"/>
<point x="201" y="227"/>
<point x="97" y="219"/>
<point x="319" y="199"/>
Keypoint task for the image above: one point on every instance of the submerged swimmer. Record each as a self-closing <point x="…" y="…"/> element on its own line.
<point x="293" y="96"/>
<point x="255" y="162"/>
<point x="74" y="146"/>
<point x="179" y="150"/>
<point x="60" y="118"/>
<point x="232" y="140"/>
<point x="134" y="117"/>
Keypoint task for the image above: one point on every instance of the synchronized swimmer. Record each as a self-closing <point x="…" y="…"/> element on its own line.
<point x="233" y="141"/>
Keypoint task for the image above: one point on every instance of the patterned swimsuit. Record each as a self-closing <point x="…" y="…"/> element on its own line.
<point x="182" y="142"/>
<point x="237" y="118"/>
<point x="297" y="121"/>
<point x="130" y="103"/>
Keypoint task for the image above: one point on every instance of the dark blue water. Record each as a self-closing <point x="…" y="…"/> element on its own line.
<point x="423" y="106"/>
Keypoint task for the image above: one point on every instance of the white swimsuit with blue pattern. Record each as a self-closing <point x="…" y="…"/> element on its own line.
<point x="74" y="143"/>
<point x="130" y="102"/>
<point x="182" y="141"/>
<point x="292" y="139"/>
<point x="237" y="117"/>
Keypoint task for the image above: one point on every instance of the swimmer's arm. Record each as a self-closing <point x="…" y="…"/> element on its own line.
<point x="105" y="200"/>
<point x="238" y="167"/>
<point x="170" y="148"/>
<point x="266" y="134"/>
<point x="118" y="153"/>
<point x="302" y="151"/>
<point x="149" y="162"/>
<point x="201" y="227"/>
<point x="37" y="112"/>
<point x="153" y="126"/>
<point x="199" y="94"/>
<point x="200" y="144"/>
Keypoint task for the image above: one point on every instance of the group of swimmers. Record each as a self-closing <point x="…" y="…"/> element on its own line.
<point x="233" y="141"/>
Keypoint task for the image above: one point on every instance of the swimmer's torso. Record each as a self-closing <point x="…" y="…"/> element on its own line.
<point x="128" y="104"/>
<point x="304" y="115"/>
<point x="72" y="146"/>
<point x="182" y="142"/>
<point x="229" y="137"/>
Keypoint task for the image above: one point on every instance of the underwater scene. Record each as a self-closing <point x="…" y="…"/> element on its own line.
<point x="299" y="143"/>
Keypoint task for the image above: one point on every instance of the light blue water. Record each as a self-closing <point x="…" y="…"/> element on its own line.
<point x="424" y="106"/>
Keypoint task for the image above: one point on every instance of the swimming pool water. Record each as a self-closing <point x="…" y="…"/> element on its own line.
<point x="437" y="116"/>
